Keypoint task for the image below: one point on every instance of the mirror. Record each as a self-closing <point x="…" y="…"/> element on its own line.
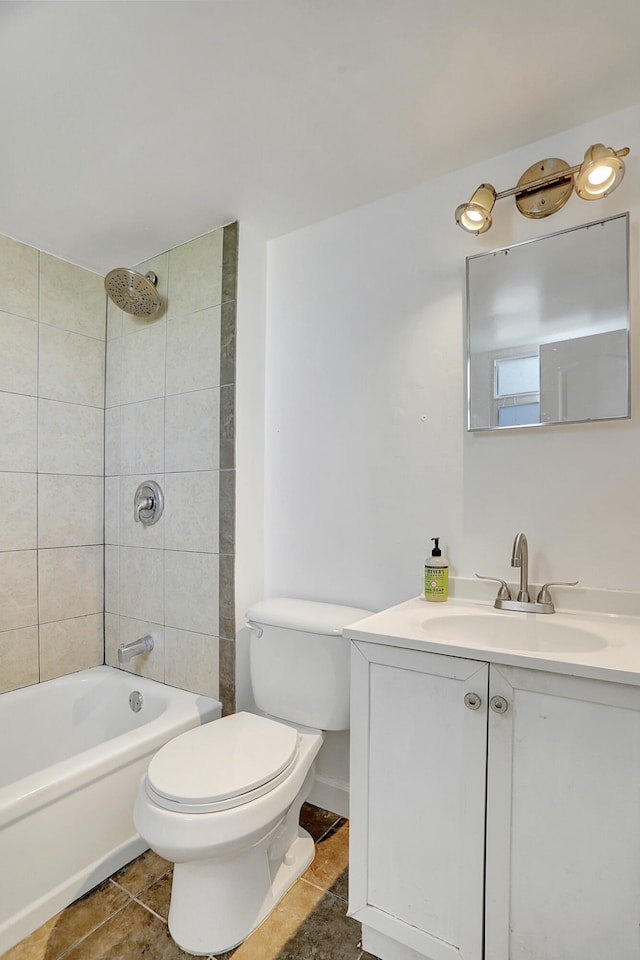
<point x="548" y="329"/>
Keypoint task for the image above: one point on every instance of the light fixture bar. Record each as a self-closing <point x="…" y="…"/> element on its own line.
<point x="547" y="181"/>
<point x="540" y="196"/>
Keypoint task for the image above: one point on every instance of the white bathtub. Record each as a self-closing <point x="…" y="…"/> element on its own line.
<point x="72" y="754"/>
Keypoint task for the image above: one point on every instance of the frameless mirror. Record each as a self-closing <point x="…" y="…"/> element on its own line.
<point x="548" y="329"/>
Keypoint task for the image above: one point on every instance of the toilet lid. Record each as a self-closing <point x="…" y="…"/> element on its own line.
<point x="217" y="764"/>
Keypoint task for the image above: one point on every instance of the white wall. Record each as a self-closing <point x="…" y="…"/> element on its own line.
<point x="367" y="455"/>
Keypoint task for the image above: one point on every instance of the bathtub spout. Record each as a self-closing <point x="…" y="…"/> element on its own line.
<point x="135" y="647"/>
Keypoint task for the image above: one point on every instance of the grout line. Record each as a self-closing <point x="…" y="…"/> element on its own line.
<point x="146" y="887"/>
<point x="120" y="887"/>
<point x="329" y="830"/>
<point x="89" y="933"/>
<point x="149" y="910"/>
<point x="317" y="886"/>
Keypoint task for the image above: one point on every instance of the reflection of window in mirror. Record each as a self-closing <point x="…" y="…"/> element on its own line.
<point x="519" y="414"/>
<point x="516" y="389"/>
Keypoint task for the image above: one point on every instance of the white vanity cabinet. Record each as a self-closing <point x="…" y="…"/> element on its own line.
<point x="485" y="833"/>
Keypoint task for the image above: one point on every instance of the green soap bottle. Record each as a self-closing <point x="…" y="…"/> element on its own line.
<point x="436" y="575"/>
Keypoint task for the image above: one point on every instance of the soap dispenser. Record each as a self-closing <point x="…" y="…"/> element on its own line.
<point x="436" y="575"/>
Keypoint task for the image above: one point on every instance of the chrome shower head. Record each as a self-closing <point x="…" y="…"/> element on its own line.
<point x="132" y="292"/>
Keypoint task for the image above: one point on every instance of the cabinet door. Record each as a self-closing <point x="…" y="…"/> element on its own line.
<point x="418" y="766"/>
<point x="563" y="819"/>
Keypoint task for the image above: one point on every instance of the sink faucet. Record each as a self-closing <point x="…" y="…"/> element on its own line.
<point x="520" y="558"/>
<point x="524" y="604"/>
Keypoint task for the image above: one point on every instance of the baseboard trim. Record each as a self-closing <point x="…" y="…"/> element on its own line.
<point x="331" y="795"/>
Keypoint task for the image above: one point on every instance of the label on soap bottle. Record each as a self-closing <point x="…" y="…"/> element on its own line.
<point x="436" y="583"/>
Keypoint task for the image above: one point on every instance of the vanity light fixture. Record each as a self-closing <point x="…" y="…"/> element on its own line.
<point x="475" y="216"/>
<point x="545" y="187"/>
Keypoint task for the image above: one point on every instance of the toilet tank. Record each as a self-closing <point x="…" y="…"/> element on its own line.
<point x="300" y="662"/>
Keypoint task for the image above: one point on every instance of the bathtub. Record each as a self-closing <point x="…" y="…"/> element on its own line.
<point x="72" y="754"/>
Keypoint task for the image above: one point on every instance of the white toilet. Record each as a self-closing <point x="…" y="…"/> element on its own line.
<point x="222" y="801"/>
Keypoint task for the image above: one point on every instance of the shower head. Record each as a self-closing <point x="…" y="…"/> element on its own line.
<point x="132" y="292"/>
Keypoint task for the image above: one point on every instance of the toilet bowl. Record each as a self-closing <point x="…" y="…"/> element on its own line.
<point x="226" y="836"/>
<point x="222" y="801"/>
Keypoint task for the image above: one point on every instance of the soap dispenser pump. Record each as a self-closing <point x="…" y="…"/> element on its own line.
<point x="436" y="575"/>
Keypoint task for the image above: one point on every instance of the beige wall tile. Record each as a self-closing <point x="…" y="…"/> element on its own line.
<point x="18" y="658"/>
<point x="193" y="352"/>
<point x="191" y="661"/>
<point x="142" y="437"/>
<point x="191" y="511"/>
<point x="163" y="413"/>
<point x="19" y="498"/>
<point x="111" y="638"/>
<point x="112" y="510"/>
<point x="140" y="584"/>
<point x="112" y="441"/>
<point x="191" y="591"/>
<point x="69" y="510"/>
<point x="192" y="431"/>
<point x="112" y="579"/>
<point x="71" y="367"/>
<point x="69" y="645"/>
<point x="18" y="355"/>
<point x="142" y="360"/>
<point x="18" y="278"/>
<point x="72" y="297"/>
<point x="70" y="439"/>
<point x="18" y="432"/>
<point x="114" y="320"/>
<point x="195" y="275"/>
<point x="113" y="372"/>
<point x="70" y="581"/>
<point x="18" y="589"/>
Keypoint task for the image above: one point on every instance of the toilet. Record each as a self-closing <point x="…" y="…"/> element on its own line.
<point x="222" y="801"/>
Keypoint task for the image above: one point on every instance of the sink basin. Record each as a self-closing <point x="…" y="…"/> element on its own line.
<point x="535" y="633"/>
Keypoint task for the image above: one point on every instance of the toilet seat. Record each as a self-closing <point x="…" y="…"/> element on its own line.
<point x="222" y="764"/>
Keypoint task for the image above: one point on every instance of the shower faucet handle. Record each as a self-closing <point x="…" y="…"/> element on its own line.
<point x="148" y="503"/>
<point x="143" y="503"/>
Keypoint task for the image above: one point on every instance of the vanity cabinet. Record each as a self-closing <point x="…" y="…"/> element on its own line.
<point x="495" y="810"/>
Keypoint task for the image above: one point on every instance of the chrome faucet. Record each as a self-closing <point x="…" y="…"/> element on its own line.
<point x="126" y="651"/>
<point x="524" y="603"/>
<point x="520" y="558"/>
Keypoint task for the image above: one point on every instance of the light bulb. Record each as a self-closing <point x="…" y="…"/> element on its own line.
<point x="600" y="174"/>
<point x="475" y="216"/>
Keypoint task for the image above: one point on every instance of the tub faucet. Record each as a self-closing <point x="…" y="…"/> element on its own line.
<point x="520" y="558"/>
<point x="126" y="651"/>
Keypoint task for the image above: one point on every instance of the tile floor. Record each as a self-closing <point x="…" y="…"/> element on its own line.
<point x="125" y="918"/>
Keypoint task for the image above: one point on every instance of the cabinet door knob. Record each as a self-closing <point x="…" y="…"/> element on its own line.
<point x="499" y="704"/>
<point x="473" y="701"/>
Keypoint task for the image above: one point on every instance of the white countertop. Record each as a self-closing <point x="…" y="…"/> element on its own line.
<point x="599" y="646"/>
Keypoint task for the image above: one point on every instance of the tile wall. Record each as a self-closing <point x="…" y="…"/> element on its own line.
<point x="52" y="376"/>
<point x="170" y="418"/>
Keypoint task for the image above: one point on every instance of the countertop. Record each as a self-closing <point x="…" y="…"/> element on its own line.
<point x="597" y="646"/>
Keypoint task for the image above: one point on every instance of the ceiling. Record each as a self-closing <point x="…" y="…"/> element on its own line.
<point x="127" y="128"/>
